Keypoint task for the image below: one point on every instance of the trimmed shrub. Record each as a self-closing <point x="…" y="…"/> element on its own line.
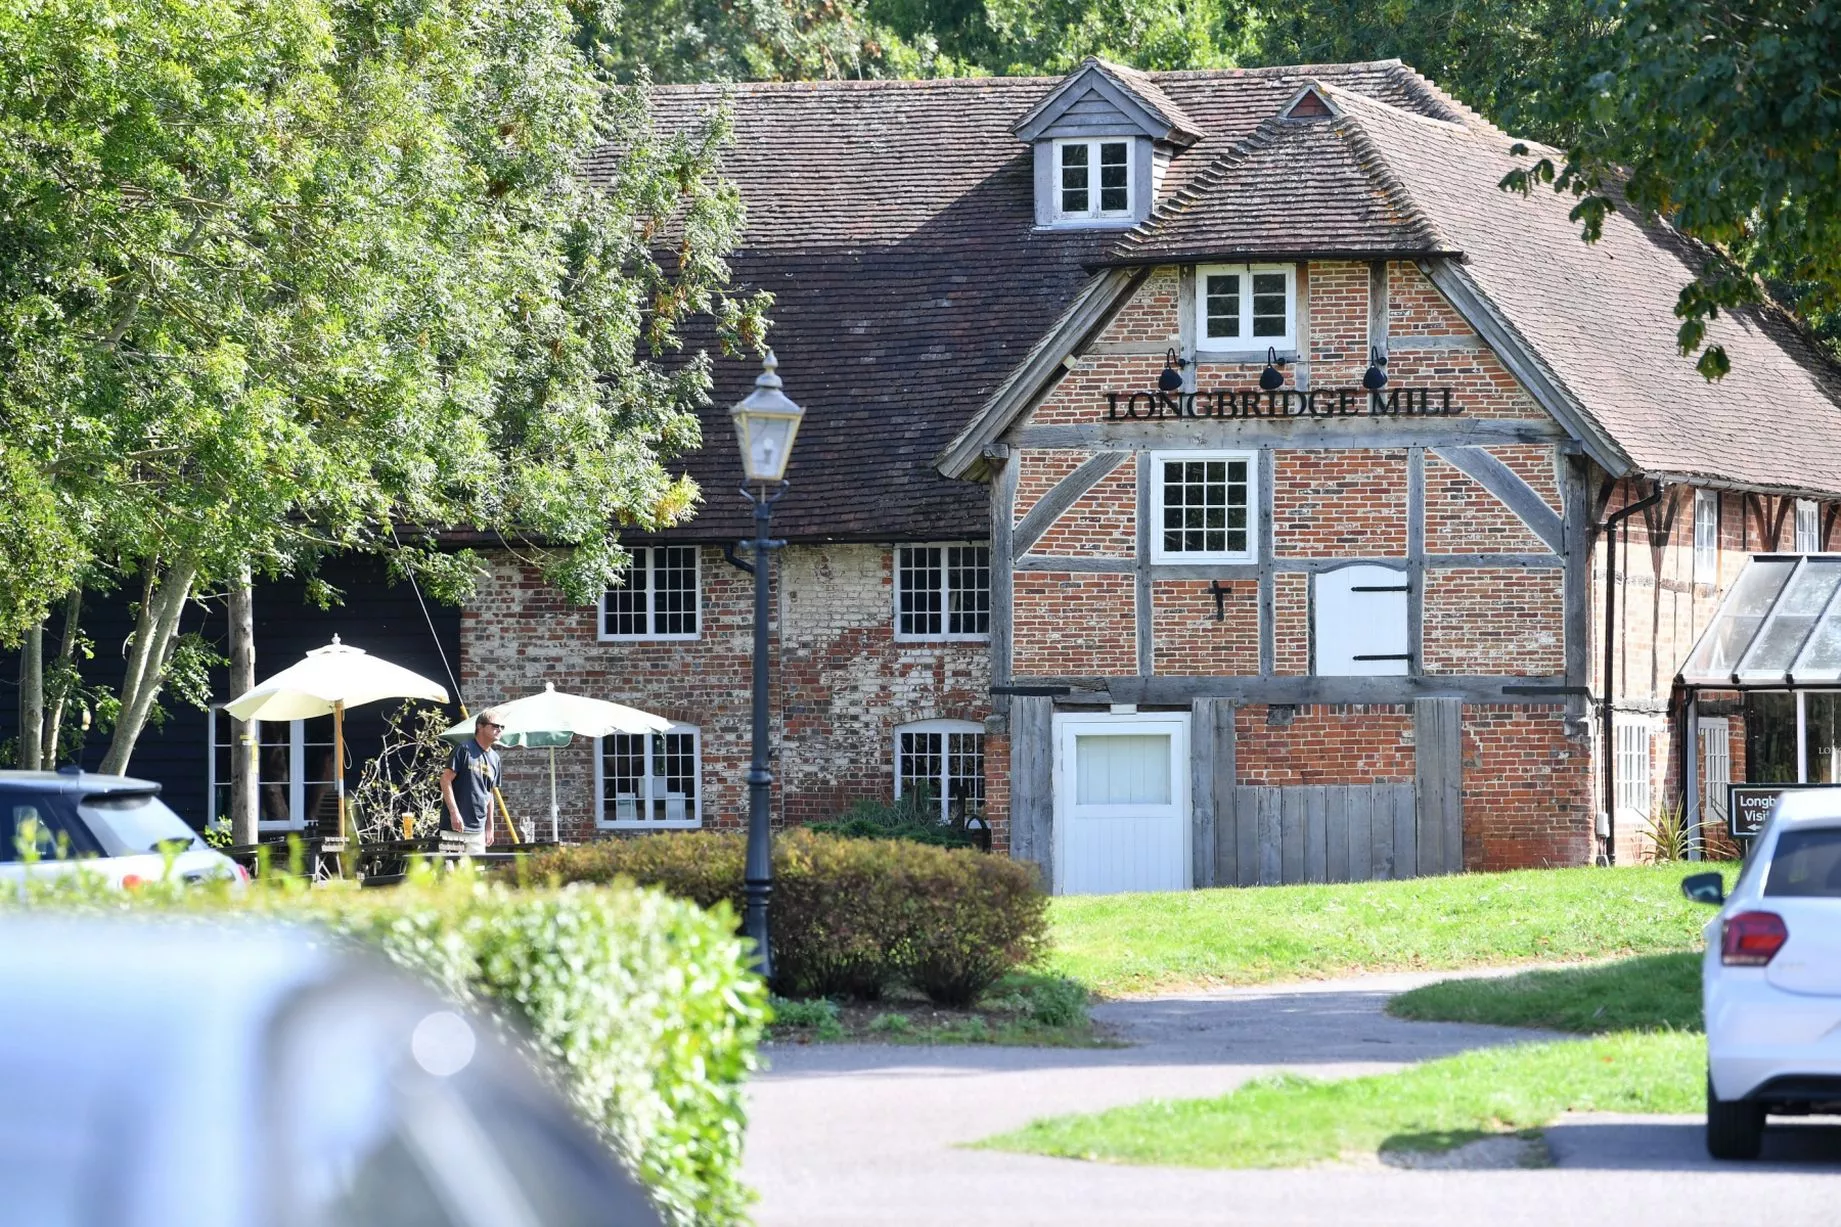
<point x="913" y="816"/>
<point x="638" y="1006"/>
<point x="850" y="916"/>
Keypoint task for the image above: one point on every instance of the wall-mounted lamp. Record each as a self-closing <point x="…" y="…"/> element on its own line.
<point x="1375" y="377"/>
<point x="1270" y="380"/>
<point x="1171" y="380"/>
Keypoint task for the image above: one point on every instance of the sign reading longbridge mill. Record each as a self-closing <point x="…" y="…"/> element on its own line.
<point x="1284" y="403"/>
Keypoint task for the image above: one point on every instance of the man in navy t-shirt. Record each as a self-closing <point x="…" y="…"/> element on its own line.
<point x="467" y="784"/>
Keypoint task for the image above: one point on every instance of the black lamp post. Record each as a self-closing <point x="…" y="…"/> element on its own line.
<point x="765" y="424"/>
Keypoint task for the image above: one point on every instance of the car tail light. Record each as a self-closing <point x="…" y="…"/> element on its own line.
<point x="1752" y="939"/>
<point x="242" y="873"/>
<point x="131" y="880"/>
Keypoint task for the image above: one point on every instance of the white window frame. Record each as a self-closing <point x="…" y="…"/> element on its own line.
<point x="943" y="784"/>
<point x="297" y="771"/>
<point x="1246" y="342"/>
<point x="1254" y="511"/>
<point x="1706" y="537"/>
<point x="1808" y="530"/>
<point x="694" y="818"/>
<point x="1093" y="213"/>
<point x="1634" y="741"/>
<point x="946" y="591"/>
<point x="651" y="572"/>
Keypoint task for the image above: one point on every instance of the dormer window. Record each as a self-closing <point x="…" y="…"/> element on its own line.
<point x="1095" y="179"/>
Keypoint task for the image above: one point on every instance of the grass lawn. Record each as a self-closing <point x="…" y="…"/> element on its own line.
<point x="1644" y="993"/>
<point x="1118" y="944"/>
<point x="1290" y="1121"/>
<point x="1028" y="1009"/>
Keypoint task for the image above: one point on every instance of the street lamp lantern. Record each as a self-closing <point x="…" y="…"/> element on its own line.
<point x="765" y="424"/>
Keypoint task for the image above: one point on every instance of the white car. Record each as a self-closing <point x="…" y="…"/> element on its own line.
<point x="70" y="821"/>
<point x="1771" y="979"/>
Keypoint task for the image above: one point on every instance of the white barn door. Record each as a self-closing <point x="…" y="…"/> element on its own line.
<point x="1121" y="803"/>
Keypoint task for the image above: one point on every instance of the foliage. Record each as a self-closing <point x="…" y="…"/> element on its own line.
<point x="849" y="917"/>
<point x="1653" y="991"/>
<point x="819" y="1015"/>
<point x="915" y="815"/>
<point x="279" y="279"/>
<point x="1723" y="118"/>
<point x="404" y="779"/>
<point x="1292" y="1121"/>
<point x="640" y="1006"/>
<point x="1138" y="943"/>
<point x="1669" y="834"/>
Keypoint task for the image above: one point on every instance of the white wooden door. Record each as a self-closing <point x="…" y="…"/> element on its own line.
<point x="1715" y="770"/>
<point x="1121" y="803"/>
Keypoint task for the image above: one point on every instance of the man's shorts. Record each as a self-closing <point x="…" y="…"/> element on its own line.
<point x="476" y="841"/>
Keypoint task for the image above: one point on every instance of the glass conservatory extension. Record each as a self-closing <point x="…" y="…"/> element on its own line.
<point x="1776" y="639"/>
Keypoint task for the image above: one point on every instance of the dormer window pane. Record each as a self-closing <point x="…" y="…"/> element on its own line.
<point x="1222" y="304"/>
<point x="1114" y="184"/>
<point x="1074" y="178"/>
<point x="1271" y="318"/>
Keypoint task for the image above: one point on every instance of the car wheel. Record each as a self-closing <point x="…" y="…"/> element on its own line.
<point x="1735" y="1127"/>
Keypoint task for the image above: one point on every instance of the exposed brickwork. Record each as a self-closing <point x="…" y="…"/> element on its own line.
<point x="1527" y="790"/>
<point x="1150" y="316"/>
<point x="1330" y="503"/>
<point x="1464" y="518"/>
<point x="1338" y="324"/>
<point x="1102" y="522"/>
<point x="1291" y="623"/>
<point x="1039" y="471"/>
<point x="1081" y="394"/>
<point x="997" y="790"/>
<point x="1496" y="621"/>
<point x="1187" y="641"/>
<point x="1074" y="625"/>
<point x="1415" y="308"/>
<point x="1324" y="745"/>
<point x="841" y="684"/>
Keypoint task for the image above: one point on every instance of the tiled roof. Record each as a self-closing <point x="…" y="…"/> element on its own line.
<point x="1142" y="84"/>
<point x="1600" y="317"/>
<point x="1294" y="187"/>
<point x="894" y="223"/>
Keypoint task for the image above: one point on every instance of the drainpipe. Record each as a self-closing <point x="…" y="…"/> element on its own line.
<point x="1609" y="751"/>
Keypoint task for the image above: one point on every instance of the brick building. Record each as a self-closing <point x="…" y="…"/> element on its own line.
<point x="1094" y="526"/>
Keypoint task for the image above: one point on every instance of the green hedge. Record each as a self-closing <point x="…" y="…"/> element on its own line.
<point x="849" y="917"/>
<point x="639" y="1005"/>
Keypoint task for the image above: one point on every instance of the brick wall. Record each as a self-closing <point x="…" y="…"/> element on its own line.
<point x="1103" y="522"/>
<point x="1291" y="623"/>
<point x="1505" y="620"/>
<point x="841" y="683"/>
<point x="1464" y="518"/>
<point x="1324" y="744"/>
<point x="1338" y="324"/>
<point x="1527" y="790"/>
<point x="1339" y="503"/>
<point x="1187" y="641"/>
<point x="1074" y="625"/>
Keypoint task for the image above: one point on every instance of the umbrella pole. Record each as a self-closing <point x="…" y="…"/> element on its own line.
<point x="553" y="836"/>
<point x="338" y="759"/>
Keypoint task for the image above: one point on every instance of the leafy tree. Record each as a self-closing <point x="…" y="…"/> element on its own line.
<point x="1724" y="117"/>
<point x="679" y="41"/>
<point x="285" y="277"/>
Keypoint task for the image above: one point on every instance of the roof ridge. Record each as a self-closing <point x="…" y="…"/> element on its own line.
<point x="1374" y="160"/>
<point x="1210" y="175"/>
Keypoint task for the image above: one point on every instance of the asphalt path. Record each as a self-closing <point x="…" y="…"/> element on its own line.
<point x="869" y="1134"/>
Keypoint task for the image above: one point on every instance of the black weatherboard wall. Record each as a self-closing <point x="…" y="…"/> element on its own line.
<point x="376" y="615"/>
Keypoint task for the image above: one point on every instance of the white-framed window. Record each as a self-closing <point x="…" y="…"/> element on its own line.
<point x="1246" y="306"/>
<point x="1358" y="620"/>
<point x="649" y="781"/>
<point x="1093" y="179"/>
<point x="1808" y="526"/>
<point x="1205" y="504"/>
<point x="943" y="592"/>
<point x="1634" y="741"/>
<point x="1706" y="536"/>
<point x="945" y="757"/>
<point x="294" y="771"/>
<point x="660" y="598"/>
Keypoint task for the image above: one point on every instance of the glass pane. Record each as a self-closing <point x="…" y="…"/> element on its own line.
<point x="1723" y="644"/>
<point x="1270" y="315"/>
<point x="674" y="590"/>
<point x="1074" y="179"/>
<point x="965" y="772"/>
<point x="673" y="783"/>
<point x="1792" y="619"/>
<point x="922" y="586"/>
<point x="918" y="763"/>
<point x="1122" y="769"/>
<point x="623" y="776"/>
<point x="968" y="586"/>
<point x="1807" y="865"/>
<point x="1822" y="733"/>
<point x="626" y="604"/>
<point x="1770" y="737"/>
<point x="1222" y="309"/>
<point x="1205" y="506"/>
<point x="1114" y="194"/>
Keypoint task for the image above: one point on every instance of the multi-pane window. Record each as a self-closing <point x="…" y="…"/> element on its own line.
<point x="294" y="769"/>
<point x="1204" y="505"/>
<point x="945" y="758"/>
<point x="943" y="592"/>
<point x="1245" y="306"/>
<point x="649" y="781"/>
<point x="1808" y="526"/>
<point x="1094" y="178"/>
<point x="1633" y="749"/>
<point x="1706" y="537"/>
<point x="658" y="599"/>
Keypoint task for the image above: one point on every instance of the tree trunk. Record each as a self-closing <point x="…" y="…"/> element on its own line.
<point x="65" y="679"/>
<point x="244" y="767"/>
<point x="32" y="699"/>
<point x="155" y="633"/>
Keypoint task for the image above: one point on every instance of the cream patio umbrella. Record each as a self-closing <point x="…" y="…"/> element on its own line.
<point x="331" y="679"/>
<point x="554" y="718"/>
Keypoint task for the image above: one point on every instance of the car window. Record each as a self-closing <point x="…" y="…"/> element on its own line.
<point x="132" y="823"/>
<point x="1806" y="864"/>
<point x="41" y="829"/>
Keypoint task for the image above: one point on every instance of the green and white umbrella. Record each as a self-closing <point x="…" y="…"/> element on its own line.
<point x="555" y="718"/>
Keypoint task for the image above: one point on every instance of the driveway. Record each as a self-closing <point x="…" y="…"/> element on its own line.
<point x="868" y="1134"/>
